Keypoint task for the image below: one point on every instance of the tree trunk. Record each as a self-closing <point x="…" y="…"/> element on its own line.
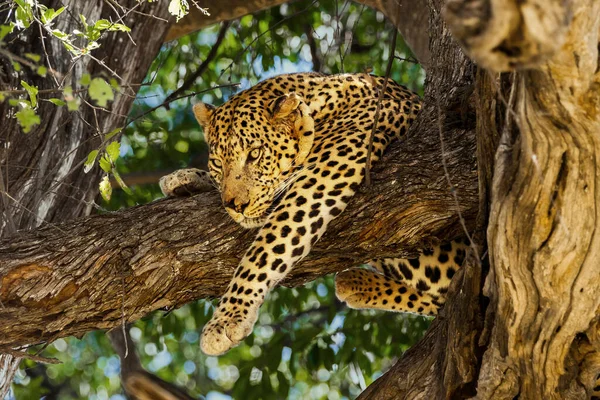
<point x="41" y="174"/>
<point x="539" y="335"/>
<point x="543" y="241"/>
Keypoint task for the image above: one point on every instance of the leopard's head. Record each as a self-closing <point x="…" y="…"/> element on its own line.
<point x="255" y="146"/>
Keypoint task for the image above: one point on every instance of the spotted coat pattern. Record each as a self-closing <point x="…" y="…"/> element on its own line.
<point x="288" y="155"/>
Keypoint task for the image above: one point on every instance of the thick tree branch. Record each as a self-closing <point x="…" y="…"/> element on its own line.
<point x="68" y="279"/>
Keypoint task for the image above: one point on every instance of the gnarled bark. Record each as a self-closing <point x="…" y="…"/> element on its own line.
<point x="544" y="246"/>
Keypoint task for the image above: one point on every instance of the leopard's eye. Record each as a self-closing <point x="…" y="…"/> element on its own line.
<point x="255" y="154"/>
<point x="217" y="163"/>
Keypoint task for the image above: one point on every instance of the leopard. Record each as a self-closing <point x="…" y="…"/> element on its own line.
<point x="288" y="155"/>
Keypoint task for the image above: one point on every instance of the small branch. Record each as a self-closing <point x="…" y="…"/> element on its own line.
<point x="312" y="44"/>
<point x="204" y="66"/>
<point x="388" y="71"/>
<point x="22" y="354"/>
<point x="179" y="98"/>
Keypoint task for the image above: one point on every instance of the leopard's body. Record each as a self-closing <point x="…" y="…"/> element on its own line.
<point x="288" y="154"/>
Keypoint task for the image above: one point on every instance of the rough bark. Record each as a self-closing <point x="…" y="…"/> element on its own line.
<point x="70" y="278"/>
<point x="539" y="335"/>
<point x="41" y="178"/>
<point x="42" y="170"/>
<point x="409" y="16"/>
<point x="444" y="364"/>
<point x="544" y="216"/>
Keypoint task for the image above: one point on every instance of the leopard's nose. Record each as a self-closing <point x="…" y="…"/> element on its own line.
<point x="236" y="205"/>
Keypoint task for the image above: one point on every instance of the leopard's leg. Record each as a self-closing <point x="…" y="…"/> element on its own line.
<point x="428" y="275"/>
<point x="363" y="288"/>
<point x="185" y="182"/>
<point x="288" y="235"/>
<point x="431" y="272"/>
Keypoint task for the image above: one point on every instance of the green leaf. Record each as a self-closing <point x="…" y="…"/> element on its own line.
<point x="113" y="150"/>
<point x="114" y="84"/>
<point x="105" y="188"/>
<point x="33" y="57"/>
<point x="83" y="20"/>
<point x="42" y="71"/>
<point x="27" y="119"/>
<point x="16" y="66"/>
<point x="119" y="27"/>
<point x="32" y="91"/>
<point x="122" y="185"/>
<point x="57" y="102"/>
<point x="102" y="24"/>
<point x="50" y="14"/>
<point x="73" y="105"/>
<point x="89" y="163"/>
<point x="85" y="80"/>
<point x="5" y="30"/>
<point x="105" y="164"/>
<point x="2" y="97"/>
<point x="101" y="92"/>
<point x="60" y="34"/>
<point x="112" y="133"/>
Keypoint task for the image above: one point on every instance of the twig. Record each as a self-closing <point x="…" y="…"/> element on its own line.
<point x="26" y="62"/>
<point x="22" y="354"/>
<point x="11" y="227"/>
<point x="204" y="66"/>
<point x="243" y="51"/>
<point x="407" y="59"/>
<point x="59" y="90"/>
<point x="312" y="44"/>
<point x="123" y="315"/>
<point x="178" y="98"/>
<point x="46" y="53"/>
<point x="388" y="70"/>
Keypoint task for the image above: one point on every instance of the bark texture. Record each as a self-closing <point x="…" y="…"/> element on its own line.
<point x="410" y="16"/>
<point x="544" y="216"/>
<point x="41" y="170"/>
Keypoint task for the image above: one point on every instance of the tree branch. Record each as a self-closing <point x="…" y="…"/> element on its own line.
<point x="66" y="280"/>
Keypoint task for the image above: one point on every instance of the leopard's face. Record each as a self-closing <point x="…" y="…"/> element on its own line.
<point x="251" y="156"/>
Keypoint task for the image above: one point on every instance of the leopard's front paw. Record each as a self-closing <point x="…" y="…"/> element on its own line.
<point x="221" y="334"/>
<point x="184" y="182"/>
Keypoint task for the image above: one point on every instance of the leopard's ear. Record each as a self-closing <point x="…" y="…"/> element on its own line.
<point x="203" y="113"/>
<point x="284" y="105"/>
<point x="291" y="109"/>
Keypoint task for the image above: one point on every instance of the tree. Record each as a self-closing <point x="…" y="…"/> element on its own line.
<point x="539" y="120"/>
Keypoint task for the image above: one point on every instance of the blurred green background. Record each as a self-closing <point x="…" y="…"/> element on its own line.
<point x="306" y="344"/>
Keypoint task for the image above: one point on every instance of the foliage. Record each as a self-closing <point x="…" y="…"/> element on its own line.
<point x="306" y="344"/>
